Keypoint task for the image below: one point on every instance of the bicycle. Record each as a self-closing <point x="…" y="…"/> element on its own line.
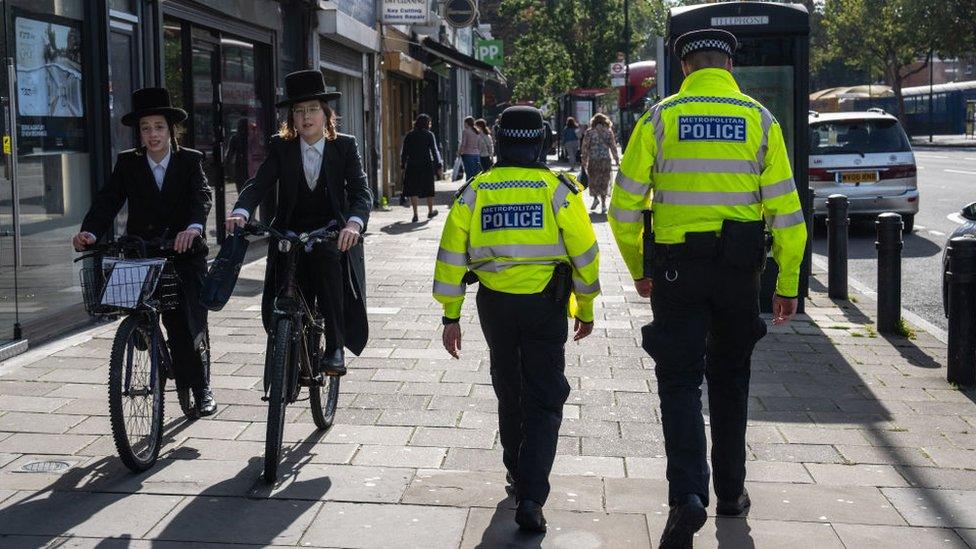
<point x="125" y="280"/>
<point x="294" y="345"/>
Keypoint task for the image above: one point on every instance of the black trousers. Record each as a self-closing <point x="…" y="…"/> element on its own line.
<point x="319" y="276"/>
<point x="706" y="323"/>
<point x="526" y="337"/>
<point x="186" y="326"/>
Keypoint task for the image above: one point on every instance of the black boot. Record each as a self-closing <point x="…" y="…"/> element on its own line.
<point x="735" y="507"/>
<point x="687" y="516"/>
<point x="206" y="405"/>
<point x="529" y="516"/>
<point x="333" y="363"/>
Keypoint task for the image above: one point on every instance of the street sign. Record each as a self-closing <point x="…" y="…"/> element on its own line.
<point x="6" y="145"/>
<point x="489" y="51"/>
<point x="618" y="72"/>
<point x="460" y="13"/>
<point x="405" y="12"/>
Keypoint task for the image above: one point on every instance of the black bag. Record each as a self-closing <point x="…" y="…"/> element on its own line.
<point x="219" y="284"/>
<point x="583" y="179"/>
<point x="743" y="244"/>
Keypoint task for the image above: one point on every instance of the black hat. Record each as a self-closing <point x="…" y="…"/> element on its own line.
<point x="306" y="86"/>
<point x="150" y="101"/>
<point x="703" y="40"/>
<point x="520" y="124"/>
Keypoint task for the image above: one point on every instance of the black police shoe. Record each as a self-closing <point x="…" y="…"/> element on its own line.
<point x="529" y="516"/>
<point x="334" y="363"/>
<point x="510" y="487"/>
<point x="687" y="516"/>
<point x="206" y="405"/>
<point x="735" y="507"/>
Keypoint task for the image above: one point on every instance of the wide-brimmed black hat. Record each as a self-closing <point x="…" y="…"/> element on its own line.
<point x="150" y="101"/>
<point x="704" y="40"/>
<point x="306" y="86"/>
<point x="520" y="124"/>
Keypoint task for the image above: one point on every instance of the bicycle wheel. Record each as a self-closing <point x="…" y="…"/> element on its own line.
<point x="135" y="393"/>
<point x="324" y="413"/>
<point x="281" y="356"/>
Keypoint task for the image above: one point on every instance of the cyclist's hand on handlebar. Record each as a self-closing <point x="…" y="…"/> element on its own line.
<point x="82" y="241"/>
<point x="349" y="236"/>
<point x="184" y="240"/>
<point x="233" y="222"/>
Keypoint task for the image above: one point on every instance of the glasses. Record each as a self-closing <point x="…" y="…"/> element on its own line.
<point x="300" y="112"/>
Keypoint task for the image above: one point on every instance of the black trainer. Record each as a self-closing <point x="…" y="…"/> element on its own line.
<point x="529" y="516"/>
<point x="687" y="516"/>
<point x="734" y="507"/>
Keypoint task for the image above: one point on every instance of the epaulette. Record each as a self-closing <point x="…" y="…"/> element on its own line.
<point x="568" y="182"/>
<point x="461" y="189"/>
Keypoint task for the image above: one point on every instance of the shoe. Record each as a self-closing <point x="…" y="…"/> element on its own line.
<point x="510" y="486"/>
<point x="529" y="516"/>
<point x="334" y="363"/>
<point x="687" y="516"/>
<point x="603" y="209"/>
<point x="415" y="218"/>
<point x="206" y="405"/>
<point x="734" y="507"/>
<point x="431" y="214"/>
<point x="596" y="202"/>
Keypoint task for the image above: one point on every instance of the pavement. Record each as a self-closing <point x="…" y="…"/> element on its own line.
<point x="855" y="439"/>
<point x="945" y="141"/>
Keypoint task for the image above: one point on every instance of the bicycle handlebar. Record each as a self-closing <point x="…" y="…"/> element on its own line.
<point x="126" y="243"/>
<point x="322" y="234"/>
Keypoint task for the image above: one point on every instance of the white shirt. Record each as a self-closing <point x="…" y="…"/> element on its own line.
<point x="312" y="161"/>
<point x="159" y="169"/>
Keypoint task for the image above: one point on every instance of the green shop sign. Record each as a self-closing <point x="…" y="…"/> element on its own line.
<point x="489" y="51"/>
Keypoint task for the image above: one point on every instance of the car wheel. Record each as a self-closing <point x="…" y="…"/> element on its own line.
<point x="908" y="222"/>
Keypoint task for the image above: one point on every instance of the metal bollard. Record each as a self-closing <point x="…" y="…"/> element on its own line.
<point x="837" y="226"/>
<point x="889" y="245"/>
<point x="961" y="279"/>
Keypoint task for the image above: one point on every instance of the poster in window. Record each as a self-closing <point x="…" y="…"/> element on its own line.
<point x="50" y="98"/>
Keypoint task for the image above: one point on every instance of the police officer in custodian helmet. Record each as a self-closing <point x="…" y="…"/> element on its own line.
<point x="523" y="233"/>
<point x="711" y="164"/>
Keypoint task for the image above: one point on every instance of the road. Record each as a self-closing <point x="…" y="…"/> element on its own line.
<point x="946" y="182"/>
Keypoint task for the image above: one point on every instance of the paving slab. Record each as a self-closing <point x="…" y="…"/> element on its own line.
<point x="939" y="508"/>
<point x="363" y="525"/>
<point x="749" y="533"/>
<point x="333" y="482"/>
<point x="83" y="514"/>
<point x="864" y="536"/>
<point x="490" y="528"/>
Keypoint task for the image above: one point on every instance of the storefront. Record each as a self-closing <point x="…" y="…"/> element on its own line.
<point x="76" y="63"/>
<point x="402" y="77"/>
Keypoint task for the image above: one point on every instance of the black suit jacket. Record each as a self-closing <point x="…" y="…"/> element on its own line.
<point x="185" y="198"/>
<point x="349" y="195"/>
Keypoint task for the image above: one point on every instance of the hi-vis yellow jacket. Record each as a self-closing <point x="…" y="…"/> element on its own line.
<point x="511" y="226"/>
<point x="709" y="153"/>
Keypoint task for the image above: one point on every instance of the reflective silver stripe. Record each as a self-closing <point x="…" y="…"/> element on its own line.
<point x="585" y="258"/>
<point x="452" y="258"/>
<point x="442" y="288"/>
<point x="785" y="220"/>
<point x="709" y="165"/>
<point x="767" y="122"/>
<point x="632" y="185"/>
<point x="658" y="135"/>
<point x="785" y="186"/>
<point x="688" y="198"/>
<point x="469" y="195"/>
<point x="559" y="197"/>
<point x="517" y="250"/>
<point x="499" y="266"/>
<point x="626" y="216"/>
<point x="581" y="287"/>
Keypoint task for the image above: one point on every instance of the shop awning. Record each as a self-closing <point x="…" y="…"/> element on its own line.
<point x="403" y="64"/>
<point x="453" y="56"/>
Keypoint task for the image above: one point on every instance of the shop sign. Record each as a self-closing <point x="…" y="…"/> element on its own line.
<point x="460" y="13"/>
<point x="405" y="12"/>
<point x="489" y="51"/>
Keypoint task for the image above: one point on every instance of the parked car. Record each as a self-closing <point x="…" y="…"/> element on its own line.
<point x="867" y="157"/>
<point x="968" y="228"/>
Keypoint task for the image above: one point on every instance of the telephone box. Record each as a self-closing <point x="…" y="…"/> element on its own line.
<point x="771" y="66"/>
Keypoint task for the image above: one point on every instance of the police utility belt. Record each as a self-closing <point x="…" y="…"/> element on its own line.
<point x="558" y="288"/>
<point x="741" y="245"/>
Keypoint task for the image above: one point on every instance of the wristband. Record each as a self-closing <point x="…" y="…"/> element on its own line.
<point x="445" y="320"/>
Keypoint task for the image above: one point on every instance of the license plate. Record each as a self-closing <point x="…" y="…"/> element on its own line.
<point x="858" y="177"/>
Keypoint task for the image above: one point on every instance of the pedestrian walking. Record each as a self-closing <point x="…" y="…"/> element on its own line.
<point x="319" y="179"/>
<point x="468" y="148"/>
<point x="421" y="163"/>
<point x="486" y="144"/>
<point x="717" y="164"/>
<point x="523" y="233"/>
<point x="168" y="196"/>
<point x="599" y="145"/>
<point x="571" y="141"/>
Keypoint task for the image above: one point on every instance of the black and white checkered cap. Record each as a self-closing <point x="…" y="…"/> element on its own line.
<point x="706" y="39"/>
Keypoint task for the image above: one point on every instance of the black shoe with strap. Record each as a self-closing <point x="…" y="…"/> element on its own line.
<point x="206" y="404"/>
<point x="529" y="516"/>
<point x="687" y="516"/>
<point x="735" y="507"/>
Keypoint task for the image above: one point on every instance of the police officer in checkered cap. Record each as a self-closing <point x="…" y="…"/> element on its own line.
<point x="522" y="232"/>
<point x="711" y="164"/>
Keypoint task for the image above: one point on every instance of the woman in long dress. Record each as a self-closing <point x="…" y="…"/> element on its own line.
<point x="599" y="146"/>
